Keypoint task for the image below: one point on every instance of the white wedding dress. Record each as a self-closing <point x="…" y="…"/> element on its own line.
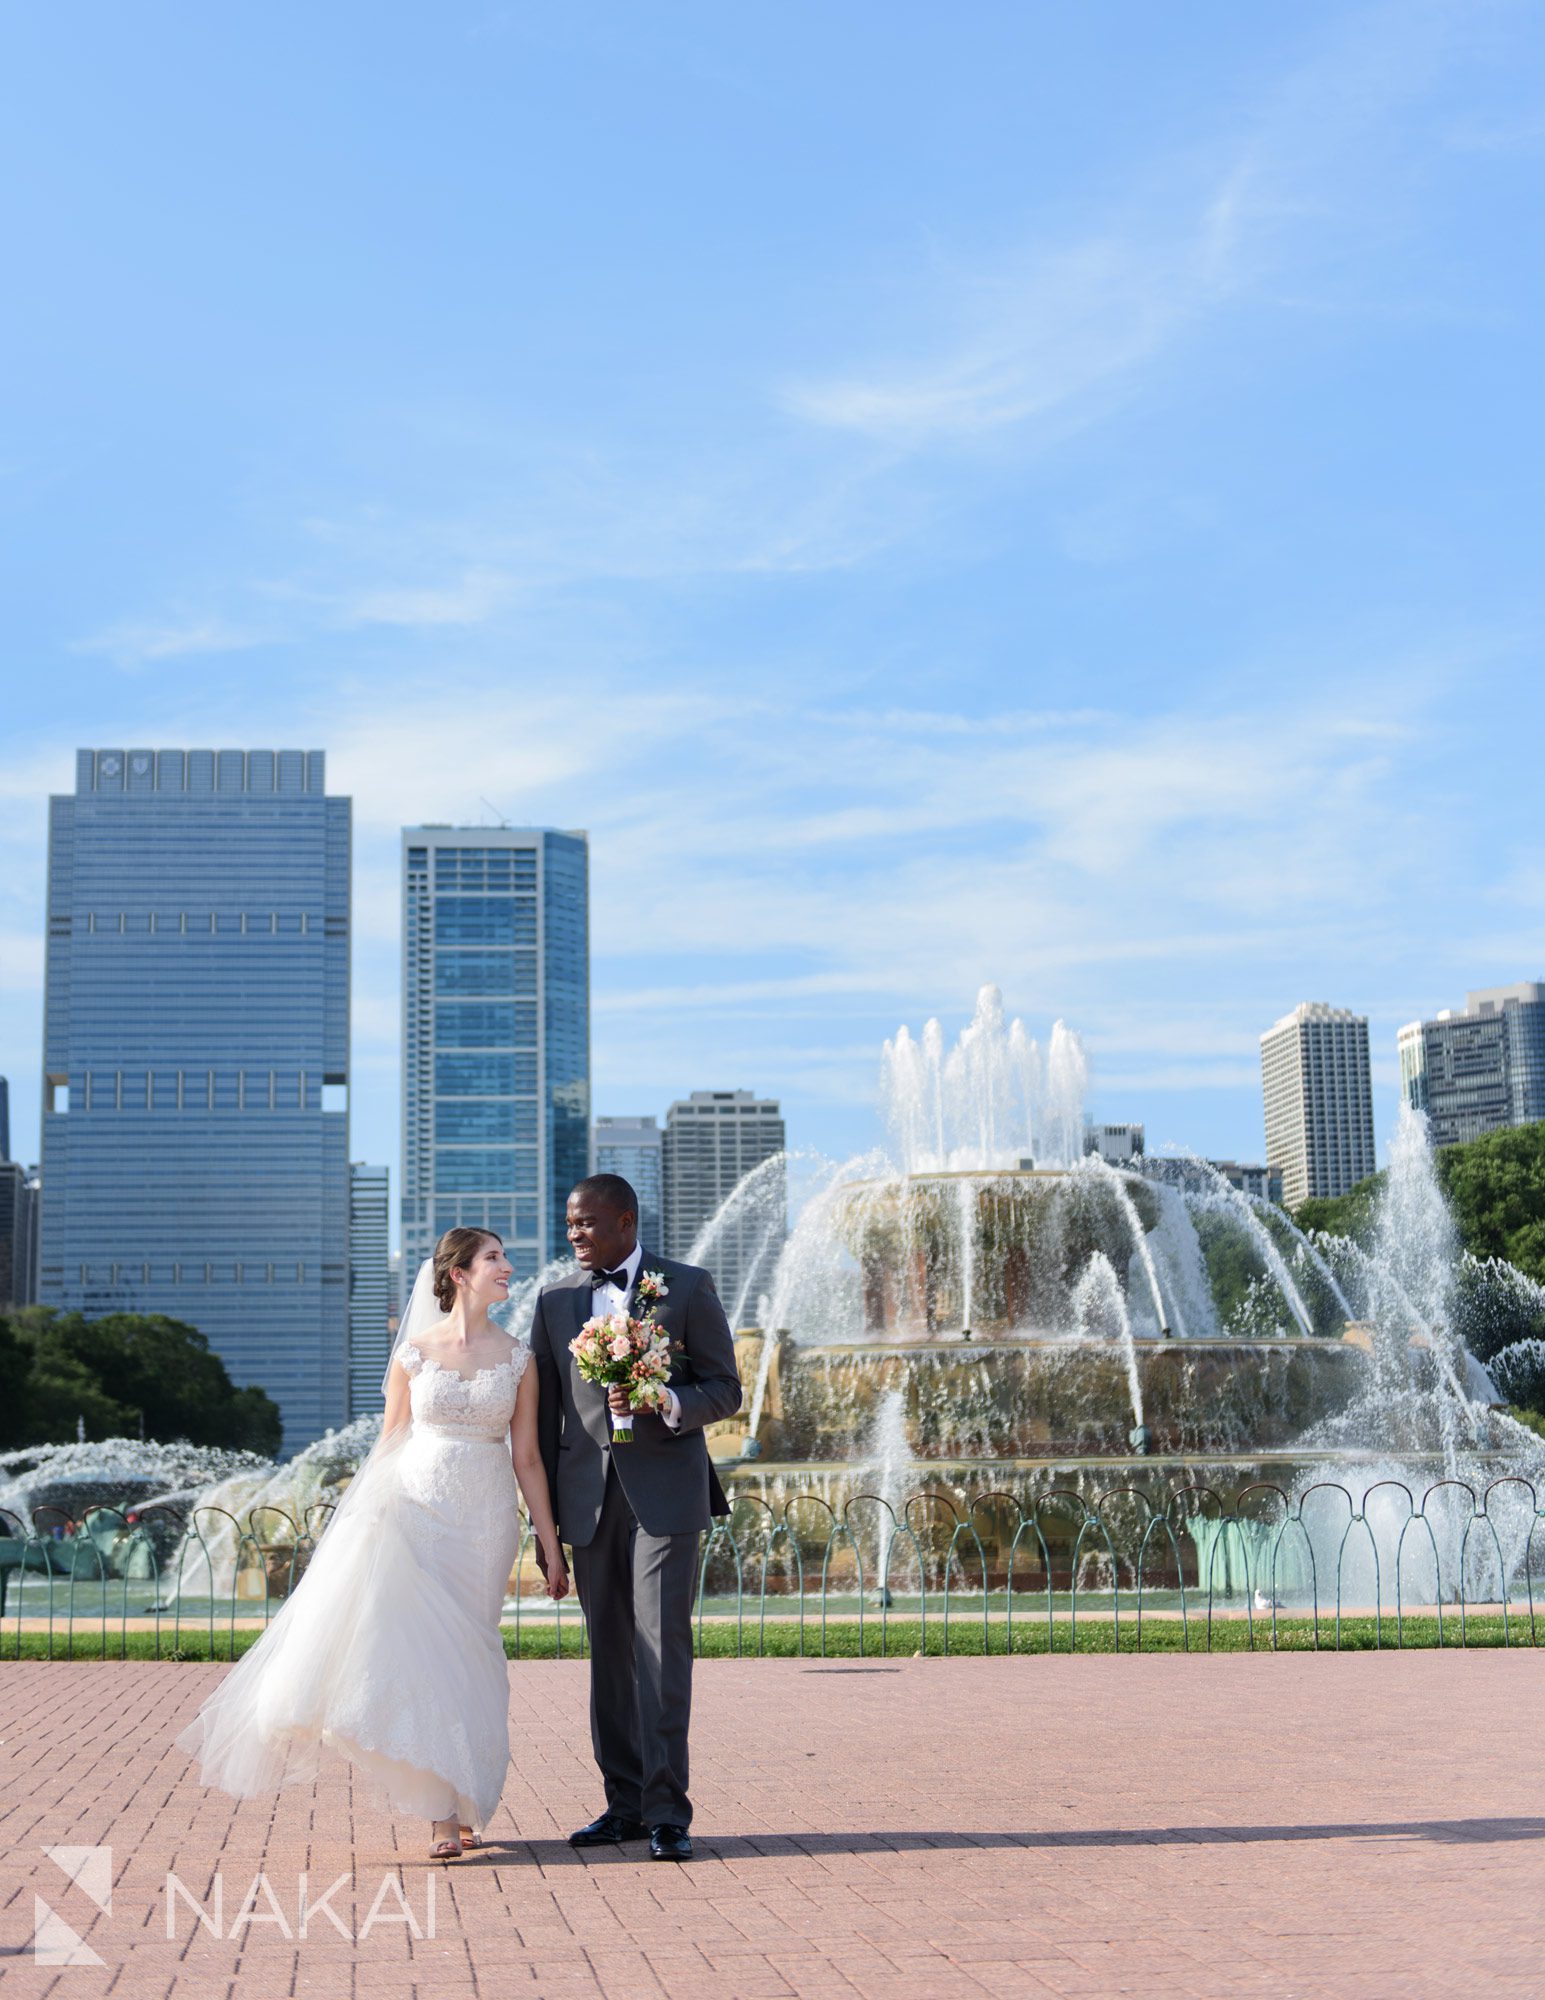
<point x="389" y="1649"/>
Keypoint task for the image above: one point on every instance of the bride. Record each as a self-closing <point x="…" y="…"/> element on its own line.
<point x="389" y="1648"/>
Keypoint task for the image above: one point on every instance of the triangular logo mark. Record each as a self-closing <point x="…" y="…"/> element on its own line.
<point x="90" y="1869"/>
<point x="54" y="1943"/>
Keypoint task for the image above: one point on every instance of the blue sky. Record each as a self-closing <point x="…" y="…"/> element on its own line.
<point x="1017" y="492"/>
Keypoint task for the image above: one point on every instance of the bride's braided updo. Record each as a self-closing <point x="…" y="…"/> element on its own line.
<point x="454" y="1252"/>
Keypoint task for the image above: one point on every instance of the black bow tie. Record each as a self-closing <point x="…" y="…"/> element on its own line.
<point x="617" y="1278"/>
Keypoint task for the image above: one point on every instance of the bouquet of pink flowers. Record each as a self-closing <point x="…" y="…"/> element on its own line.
<point x="616" y="1350"/>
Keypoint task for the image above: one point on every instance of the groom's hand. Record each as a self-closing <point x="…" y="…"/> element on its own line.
<point x="617" y="1400"/>
<point x="556" y="1571"/>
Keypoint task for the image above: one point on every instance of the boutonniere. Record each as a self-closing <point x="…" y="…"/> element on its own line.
<point x="651" y="1291"/>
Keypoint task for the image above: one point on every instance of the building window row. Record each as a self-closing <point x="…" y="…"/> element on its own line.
<point x="163" y="1090"/>
<point x="213" y="1271"/>
<point x="209" y="923"/>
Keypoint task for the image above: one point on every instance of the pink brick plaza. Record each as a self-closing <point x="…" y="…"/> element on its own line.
<point x="1293" y="1825"/>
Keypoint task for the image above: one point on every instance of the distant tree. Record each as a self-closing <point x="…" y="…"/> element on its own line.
<point x="1496" y="1188"/>
<point x="1234" y="1265"/>
<point x="1494" y="1185"/>
<point x="126" y="1374"/>
<point x="1351" y="1214"/>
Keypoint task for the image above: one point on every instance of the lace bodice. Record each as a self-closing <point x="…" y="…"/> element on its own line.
<point x="478" y="1405"/>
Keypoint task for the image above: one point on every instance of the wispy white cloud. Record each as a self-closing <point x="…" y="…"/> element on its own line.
<point x="1049" y="345"/>
<point x="139" y="643"/>
<point x="1050" y="335"/>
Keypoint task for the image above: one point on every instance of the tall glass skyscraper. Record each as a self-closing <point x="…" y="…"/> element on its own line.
<point x="196" y="1060"/>
<point x="496" y="1036"/>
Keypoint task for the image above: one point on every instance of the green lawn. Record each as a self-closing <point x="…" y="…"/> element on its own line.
<point x="902" y="1638"/>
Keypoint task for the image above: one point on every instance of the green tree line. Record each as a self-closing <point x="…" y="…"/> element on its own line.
<point x="1495" y="1187"/>
<point x="124" y="1375"/>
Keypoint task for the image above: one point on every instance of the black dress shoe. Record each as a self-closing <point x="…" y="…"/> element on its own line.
<point x="669" y="1843"/>
<point x="610" y="1830"/>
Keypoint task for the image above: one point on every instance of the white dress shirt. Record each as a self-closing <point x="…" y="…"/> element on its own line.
<point x="612" y="1298"/>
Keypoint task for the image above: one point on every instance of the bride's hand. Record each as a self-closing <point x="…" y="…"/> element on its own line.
<point x="556" y="1571"/>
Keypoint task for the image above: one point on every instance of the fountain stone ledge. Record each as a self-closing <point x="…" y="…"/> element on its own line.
<point x="1048" y="1400"/>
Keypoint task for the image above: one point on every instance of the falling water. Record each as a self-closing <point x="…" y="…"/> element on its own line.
<point x="1307" y="1249"/>
<point x="1415" y="1254"/>
<point x="966" y="1196"/>
<point x="1178" y="1253"/>
<point x="115" y="1469"/>
<point x="1118" y="1186"/>
<point x="889" y="1460"/>
<point x="1221" y="1194"/>
<point x="748" y="1228"/>
<point x="1100" y="1310"/>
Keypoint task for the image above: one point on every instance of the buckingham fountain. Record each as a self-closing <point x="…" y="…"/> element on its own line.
<point x="984" y="1309"/>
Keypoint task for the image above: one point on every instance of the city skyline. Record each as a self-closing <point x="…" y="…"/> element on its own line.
<point x="1057" y="508"/>
<point x="370" y="1114"/>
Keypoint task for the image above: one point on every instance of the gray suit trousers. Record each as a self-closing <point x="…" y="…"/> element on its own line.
<point x="636" y="1592"/>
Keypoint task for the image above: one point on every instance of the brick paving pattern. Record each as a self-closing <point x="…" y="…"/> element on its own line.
<point x="1293" y="1826"/>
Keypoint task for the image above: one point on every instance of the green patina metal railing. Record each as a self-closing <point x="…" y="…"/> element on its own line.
<point x="990" y="1577"/>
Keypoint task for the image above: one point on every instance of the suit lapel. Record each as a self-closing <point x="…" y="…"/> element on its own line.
<point x="679" y="1372"/>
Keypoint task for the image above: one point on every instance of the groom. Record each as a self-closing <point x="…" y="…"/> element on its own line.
<point x="633" y="1514"/>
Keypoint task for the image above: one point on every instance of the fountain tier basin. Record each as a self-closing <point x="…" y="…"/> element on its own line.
<point x="1043" y="1400"/>
<point x="998" y="1252"/>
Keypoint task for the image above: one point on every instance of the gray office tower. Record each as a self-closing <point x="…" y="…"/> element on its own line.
<point x="1480" y="1070"/>
<point x="631" y="1147"/>
<point x="18" y="1218"/>
<point x="1319" y="1101"/>
<point x="196" y="1060"/>
<point x="370" y="1287"/>
<point x="496" y="1036"/>
<point x="713" y="1140"/>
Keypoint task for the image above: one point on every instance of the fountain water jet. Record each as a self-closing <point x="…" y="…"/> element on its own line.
<point x="1101" y="1308"/>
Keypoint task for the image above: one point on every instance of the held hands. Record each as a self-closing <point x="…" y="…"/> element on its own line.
<point x="556" y="1571"/>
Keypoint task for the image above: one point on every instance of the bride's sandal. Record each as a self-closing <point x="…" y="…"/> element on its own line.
<point x="446" y="1846"/>
<point x="470" y="1839"/>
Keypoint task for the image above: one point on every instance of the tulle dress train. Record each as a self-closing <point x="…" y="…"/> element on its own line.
<point x="389" y="1650"/>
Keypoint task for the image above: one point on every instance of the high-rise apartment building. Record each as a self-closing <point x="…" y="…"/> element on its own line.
<point x="18" y="1218"/>
<point x="713" y="1140"/>
<point x="632" y="1147"/>
<point x="1319" y="1101"/>
<point x="196" y="1060"/>
<point x="370" y="1287"/>
<point x="1479" y="1070"/>
<point x="19" y="1197"/>
<point x="496" y="1036"/>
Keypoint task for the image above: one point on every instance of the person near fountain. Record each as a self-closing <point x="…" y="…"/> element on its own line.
<point x="632" y="1514"/>
<point x="389" y="1648"/>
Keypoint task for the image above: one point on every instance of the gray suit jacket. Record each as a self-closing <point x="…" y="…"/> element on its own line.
<point x="666" y="1475"/>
